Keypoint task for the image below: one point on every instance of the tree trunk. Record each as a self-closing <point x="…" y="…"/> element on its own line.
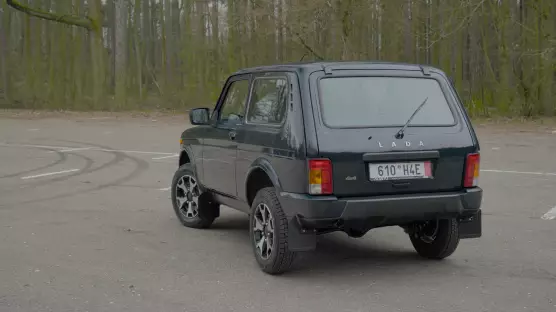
<point x="280" y="27"/>
<point x="547" y="68"/>
<point x="503" y="99"/>
<point x="110" y="13"/>
<point x="408" y="37"/>
<point x="168" y="38"/>
<point x="215" y="43"/>
<point x="138" y="50"/>
<point x="146" y="40"/>
<point x="4" y="53"/>
<point x="120" y="52"/>
<point x="98" y="67"/>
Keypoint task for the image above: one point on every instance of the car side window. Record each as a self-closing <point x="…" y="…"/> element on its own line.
<point x="233" y="108"/>
<point x="268" y="101"/>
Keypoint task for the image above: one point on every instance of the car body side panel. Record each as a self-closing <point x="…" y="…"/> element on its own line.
<point x="309" y="126"/>
<point x="212" y="148"/>
<point x="263" y="164"/>
<point x="278" y="149"/>
<point x="219" y="156"/>
<point x="220" y="149"/>
<point x="258" y="147"/>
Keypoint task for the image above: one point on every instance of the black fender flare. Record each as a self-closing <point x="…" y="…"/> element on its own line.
<point x="264" y="165"/>
<point x="185" y="149"/>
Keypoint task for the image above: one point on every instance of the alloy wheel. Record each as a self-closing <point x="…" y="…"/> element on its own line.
<point x="263" y="230"/>
<point x="187" y="196"/>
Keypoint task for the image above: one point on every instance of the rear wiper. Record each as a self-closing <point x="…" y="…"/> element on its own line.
<point x="399" y="134"/>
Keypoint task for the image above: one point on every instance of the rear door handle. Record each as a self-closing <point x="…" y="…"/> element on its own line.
<point x="232" y="135"/>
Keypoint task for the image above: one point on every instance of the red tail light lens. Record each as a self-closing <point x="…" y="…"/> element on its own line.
<point x="471" y="177"/>
<point x="320" y="176"/>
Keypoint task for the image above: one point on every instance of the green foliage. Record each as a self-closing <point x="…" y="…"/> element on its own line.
<point x="176" y="54"/>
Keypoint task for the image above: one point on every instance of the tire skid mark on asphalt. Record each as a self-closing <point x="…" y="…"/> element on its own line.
<point x="85" y="169"/>
<point x="140" y="167"/>
<point x="61" y="158"/>
<point x="35" y="184"/>
<point x="81" y="147"/>
<point x="88" y="168"/>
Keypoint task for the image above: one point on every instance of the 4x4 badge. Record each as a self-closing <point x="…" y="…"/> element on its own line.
<point x="407" y="144"/>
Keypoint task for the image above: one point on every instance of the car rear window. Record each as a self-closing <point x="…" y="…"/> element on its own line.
<point x="348" y="102"/>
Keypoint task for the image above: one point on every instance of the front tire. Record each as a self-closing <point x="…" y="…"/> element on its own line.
<point x="193" y="206"/>
<point x="268" y="232"/>
<point x="436" y="239"/>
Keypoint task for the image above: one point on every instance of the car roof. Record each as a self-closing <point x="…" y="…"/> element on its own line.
<point x="322" y="65"/>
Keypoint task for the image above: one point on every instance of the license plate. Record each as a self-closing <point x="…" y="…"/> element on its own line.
<point x="397" y="171"/>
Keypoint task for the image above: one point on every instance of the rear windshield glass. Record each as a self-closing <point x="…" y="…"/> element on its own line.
<point x="382" y="101"/>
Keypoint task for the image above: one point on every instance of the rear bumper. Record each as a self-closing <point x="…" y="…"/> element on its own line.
<point x="311" y="214"/>
<point x="391" y="207"/>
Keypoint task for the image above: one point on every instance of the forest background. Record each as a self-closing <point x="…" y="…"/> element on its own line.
<point x="119" y="55"/>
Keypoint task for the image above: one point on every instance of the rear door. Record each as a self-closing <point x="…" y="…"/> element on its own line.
<point x="357" y="115"/>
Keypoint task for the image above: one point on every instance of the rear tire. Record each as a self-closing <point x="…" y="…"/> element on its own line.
<point x="444" y="242"/>
<point x="193" y="206"/>
<point x="268" y="226"/>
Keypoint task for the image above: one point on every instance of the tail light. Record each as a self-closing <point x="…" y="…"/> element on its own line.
<point x="471" y="177"/>
<point x="320" y="176"/>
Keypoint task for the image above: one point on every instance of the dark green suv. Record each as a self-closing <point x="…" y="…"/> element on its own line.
<point x="312" y="148"/>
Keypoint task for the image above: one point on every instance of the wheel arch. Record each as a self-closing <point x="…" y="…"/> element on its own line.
<point x="187" y="157"/>
<point x="184" y="158"/>
<point x="261" y="174"/>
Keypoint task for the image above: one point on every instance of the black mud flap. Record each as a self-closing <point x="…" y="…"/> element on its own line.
<point x="471" y="227"/>
<point x="298" y="239"/>
<point x="209" y="211"/>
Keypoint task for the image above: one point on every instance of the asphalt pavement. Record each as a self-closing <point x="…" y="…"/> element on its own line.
<point x="86" y="224"/>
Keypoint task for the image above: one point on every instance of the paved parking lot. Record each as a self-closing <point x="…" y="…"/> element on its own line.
<point x="86" y="225"/>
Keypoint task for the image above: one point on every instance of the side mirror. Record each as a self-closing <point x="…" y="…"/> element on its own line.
<point x="199" y="116"/>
